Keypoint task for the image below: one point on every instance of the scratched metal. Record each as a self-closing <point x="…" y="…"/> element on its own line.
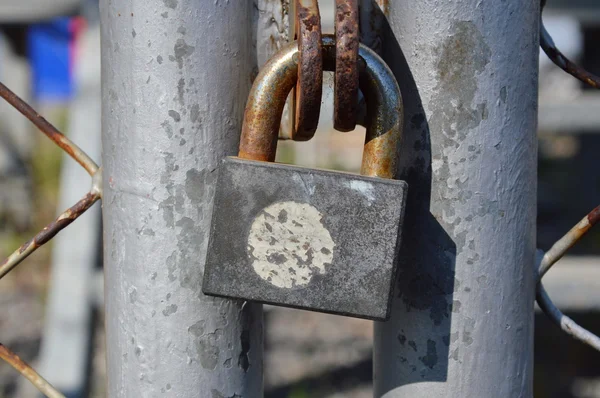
<point x="360" y="216"/>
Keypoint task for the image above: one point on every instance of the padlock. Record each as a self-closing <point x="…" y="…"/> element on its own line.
<point x="319" y="240"/>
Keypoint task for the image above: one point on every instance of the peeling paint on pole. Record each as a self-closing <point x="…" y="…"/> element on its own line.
<point x="462" y="322"/>
<point x="173" y="100"/>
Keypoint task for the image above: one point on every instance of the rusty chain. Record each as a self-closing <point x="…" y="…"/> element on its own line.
<point x="345" y="98"/>
<point x="308" y="90"/>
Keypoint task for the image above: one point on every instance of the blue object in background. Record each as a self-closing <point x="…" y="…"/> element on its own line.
<point x="49" y="47"/>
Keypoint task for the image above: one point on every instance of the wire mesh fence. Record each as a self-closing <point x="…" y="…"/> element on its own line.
<point x="50" y="230"/>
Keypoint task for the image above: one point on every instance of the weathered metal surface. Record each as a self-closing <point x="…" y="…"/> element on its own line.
<point x="28" y="372"/>
<point x="47" y="128"/>
<point x="462" y="319"/>
<point x="311" y="239"/>
<point x="269" y="91"/>
<point x="48" y="232"/>
<point x="278" y="76"/>
<point x="175" y="77"/>
<point x="309" y="87"/>
<point x="345" y="98"/>
<point x="273" y="29"/>
<point x="562" y="61"/>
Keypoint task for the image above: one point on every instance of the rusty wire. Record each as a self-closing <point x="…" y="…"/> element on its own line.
<point x="566" y="242"/>
<point x="47" y="128"/>
<point x="561" y="60"/>
<point x="546" y="260"/>
<point x="27" y="371"/>
<point x="49" y="231"/>
<point x="61" y="222"/>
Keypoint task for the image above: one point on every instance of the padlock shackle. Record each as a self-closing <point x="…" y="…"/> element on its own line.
<point x="269" y="92"/>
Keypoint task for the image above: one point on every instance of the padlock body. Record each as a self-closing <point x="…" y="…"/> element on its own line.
<point x="313" y="239"/>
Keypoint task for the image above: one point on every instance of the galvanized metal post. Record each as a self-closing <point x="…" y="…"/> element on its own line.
<point x="175" y="78"/>
<point x="462" y="324"/>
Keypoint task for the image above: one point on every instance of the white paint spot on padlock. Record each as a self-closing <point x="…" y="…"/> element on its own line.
<point x="288" y="244"/>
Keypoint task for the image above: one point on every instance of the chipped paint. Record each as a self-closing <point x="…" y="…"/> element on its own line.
<point x="187" y="116"/>
<point x="288" y="244"/>
<point x="469" y="160"/>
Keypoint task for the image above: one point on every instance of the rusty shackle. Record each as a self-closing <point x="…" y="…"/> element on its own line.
<point x="276" y="79"/>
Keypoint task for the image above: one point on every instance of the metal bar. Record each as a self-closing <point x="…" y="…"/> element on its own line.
<point x="28" y="372"/>
<point x="462" y="322"/>
<point x="47" y="128"/>
<point x="175" y="77"/>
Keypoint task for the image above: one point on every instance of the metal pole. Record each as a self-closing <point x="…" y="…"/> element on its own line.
<point x="175" y="78"/>
<point x="462" y="323"/>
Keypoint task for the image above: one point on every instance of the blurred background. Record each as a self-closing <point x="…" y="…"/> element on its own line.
<point x="52" y="305"/>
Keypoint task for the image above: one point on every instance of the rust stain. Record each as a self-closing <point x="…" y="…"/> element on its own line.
<point x="269" y="91"/>
<point x="309" y="87"/>
<point x="48" y="232"/>
<point x="583" y="227"/>
<point x="47" y="128"/>
<point x="345" y="100"/>
<point x="379" y="154"/>
<point x="65" y="219"/>
<point x="27" y="371"/>
<point x="265" y="105"/>
<point x="564" y="63"/>
<point x="594" y="216"/>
